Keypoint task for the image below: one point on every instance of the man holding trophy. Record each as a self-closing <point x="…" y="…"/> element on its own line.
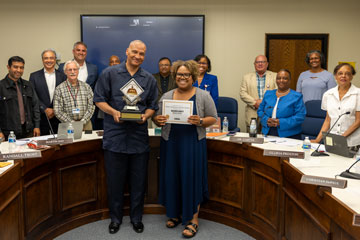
<point x="127" y="94"/>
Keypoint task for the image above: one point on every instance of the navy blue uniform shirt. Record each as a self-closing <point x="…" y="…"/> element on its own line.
<point x="127" y="137"/>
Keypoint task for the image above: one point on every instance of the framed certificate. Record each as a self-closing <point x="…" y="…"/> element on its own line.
<point x="177" y="111"/>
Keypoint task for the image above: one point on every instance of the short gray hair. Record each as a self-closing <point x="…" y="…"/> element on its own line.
<point x="70" y="61"/>
<point x="49" y="50"/>
<point x="79" y="43"/>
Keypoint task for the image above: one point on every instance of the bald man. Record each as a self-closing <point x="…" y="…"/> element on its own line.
<point x="114" y="60"/>
<point x="253" y="87"/>
<point x="126" y="143"/>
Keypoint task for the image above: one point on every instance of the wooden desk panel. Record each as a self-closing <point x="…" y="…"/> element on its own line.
<point x="66" y="188"/>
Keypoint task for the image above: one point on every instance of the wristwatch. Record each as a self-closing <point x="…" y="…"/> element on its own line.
<point x="201" y="122"/>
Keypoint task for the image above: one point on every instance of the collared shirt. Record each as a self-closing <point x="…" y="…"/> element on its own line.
<point x="350" y="102"/>
<point x="67" y="98"/>
<point x="127" y="137"/>
<point x="50" y="82"/>
<point x="260" y="85"/>
<point x="83" y="73"/>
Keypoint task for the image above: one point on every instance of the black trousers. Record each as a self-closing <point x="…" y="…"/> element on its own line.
<point x="119" y="167"/>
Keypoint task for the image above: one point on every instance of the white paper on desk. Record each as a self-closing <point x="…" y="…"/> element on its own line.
<point x="270" y="139"/>
<point x="316" y="145"/>
<point x="287" y="142"/>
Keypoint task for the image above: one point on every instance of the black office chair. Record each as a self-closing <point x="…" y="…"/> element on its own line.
<point x="228" y="107"/>
<point x="314" y="119"/>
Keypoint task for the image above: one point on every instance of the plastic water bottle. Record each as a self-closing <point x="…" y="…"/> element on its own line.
<point x="12" y="141"/>
<point x="70" y="131"/>
<point x="306" y="146"/>
<point x="356" y="167"/>
<point x="253" y="128"/>
<point x="225" y="125"/>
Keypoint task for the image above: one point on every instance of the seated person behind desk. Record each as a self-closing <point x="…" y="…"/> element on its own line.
<point x="73" y="99"/>
<point x="282" y="110"/>
<point x="339" y="100"/>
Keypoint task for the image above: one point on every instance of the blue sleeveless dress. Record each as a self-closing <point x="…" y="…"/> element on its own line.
<point x="183" y="171"/>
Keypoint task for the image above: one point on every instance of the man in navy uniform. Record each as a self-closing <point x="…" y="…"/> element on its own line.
<point x="126" y="143"/>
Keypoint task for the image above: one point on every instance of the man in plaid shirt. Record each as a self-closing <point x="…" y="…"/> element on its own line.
<point x="73" y="99"/>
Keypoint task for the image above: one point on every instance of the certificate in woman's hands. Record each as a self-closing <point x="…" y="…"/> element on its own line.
<point x="177" y="111"/>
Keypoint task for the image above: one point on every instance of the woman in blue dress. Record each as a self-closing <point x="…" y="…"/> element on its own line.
<point x="206" y="81"/>
<point x="183" y="160"/>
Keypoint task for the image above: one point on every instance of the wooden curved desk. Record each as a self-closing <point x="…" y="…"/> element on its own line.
<point x="66" y="188"/>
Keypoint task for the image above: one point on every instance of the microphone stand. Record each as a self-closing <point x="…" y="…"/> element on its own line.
<point x="316" y="153"/>
<point x="51" y="129"/>
<point x="348" y="174"/>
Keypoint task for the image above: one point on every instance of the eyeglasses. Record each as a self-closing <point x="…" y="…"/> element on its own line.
<point x="164" y="65"/>
<point x="260" y="62"/>
<point x="183" y="75"/>
<point x="314" y="58"/>
<point x="348" y="74"/>
<point x="202" y="63"/>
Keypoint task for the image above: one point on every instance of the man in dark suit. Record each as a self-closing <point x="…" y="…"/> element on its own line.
<point x="165" y="82"/>
<point x="44" y="82"/>
<point x="88" y="72"/>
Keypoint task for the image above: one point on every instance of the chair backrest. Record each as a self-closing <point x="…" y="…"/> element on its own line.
<point x="228" y="107"/>
<point x="314" y="119"/>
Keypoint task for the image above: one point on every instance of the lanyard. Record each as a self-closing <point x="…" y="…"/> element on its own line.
<point x="77" y="90"/>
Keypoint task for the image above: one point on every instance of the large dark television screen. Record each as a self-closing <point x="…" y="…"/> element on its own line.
<point x="175" y="37"/>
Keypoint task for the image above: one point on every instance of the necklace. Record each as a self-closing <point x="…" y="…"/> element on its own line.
<point x="279" y="94"/>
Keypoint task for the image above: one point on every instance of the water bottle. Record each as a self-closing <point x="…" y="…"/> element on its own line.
<point x="12" y="141"/>
<point x="70" y="131"/>
<point x="356" y="167"/>
<point x="225" y="125"/>
<point x="253" y="128"/>
<point x="306" y="146"/>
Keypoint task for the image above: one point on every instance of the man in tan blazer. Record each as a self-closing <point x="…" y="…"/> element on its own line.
<point x="254" y="86"/>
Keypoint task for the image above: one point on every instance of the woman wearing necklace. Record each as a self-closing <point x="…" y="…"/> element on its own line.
<point x="316" y="81"/>
<point x="206" y="81"/>
<point x="341" y="99"/>
<point x="282" y="110"/>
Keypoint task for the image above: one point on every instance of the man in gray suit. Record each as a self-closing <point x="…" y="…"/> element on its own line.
<point x="165" y="82"/>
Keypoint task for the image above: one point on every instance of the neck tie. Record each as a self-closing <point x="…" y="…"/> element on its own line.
<point x="21" y="104"/>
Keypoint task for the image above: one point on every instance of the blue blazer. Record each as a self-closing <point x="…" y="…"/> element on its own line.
<point x="210" y="84"/>
<point x="39" y="83"/>
<point x="290" y="112"/>
<point x="92" y="73"/>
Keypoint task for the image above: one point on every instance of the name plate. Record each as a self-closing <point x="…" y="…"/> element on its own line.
<point x="20" y="155"/>
<point x="247" y="140"/>
<point x="279" y="153"/>
<point x="356" y="221"/>
<point x="323" y="181"/>
<point x="50" y="142"/>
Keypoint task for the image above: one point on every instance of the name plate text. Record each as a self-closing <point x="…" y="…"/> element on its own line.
<point x="323" y="181"/>
<point x="50" y="142"/>
<point x="356" y="221"/>
<point x="20" y="155"/>
<point x="247" y="140"/>
<point x="279" y="153"/>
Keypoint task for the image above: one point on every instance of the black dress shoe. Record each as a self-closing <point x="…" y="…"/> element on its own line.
<point x="138" y="227"/>
<point x="114" y="227"/>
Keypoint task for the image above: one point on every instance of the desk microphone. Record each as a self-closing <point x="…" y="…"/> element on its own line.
<point x="348" y="174"/>
<point x="51" y="129"/>
<point x="316" y="153"/>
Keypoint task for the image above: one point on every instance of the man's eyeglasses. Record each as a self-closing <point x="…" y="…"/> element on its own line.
<point x="260" y="62"/>
<point x="184" y="75"/>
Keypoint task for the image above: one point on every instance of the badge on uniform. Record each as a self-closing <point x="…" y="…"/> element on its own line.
<point x="76" y="111"/>
<point x="132" y="91"/>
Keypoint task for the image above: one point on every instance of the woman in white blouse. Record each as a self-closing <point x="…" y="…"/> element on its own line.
<point x="339" y="100"/>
